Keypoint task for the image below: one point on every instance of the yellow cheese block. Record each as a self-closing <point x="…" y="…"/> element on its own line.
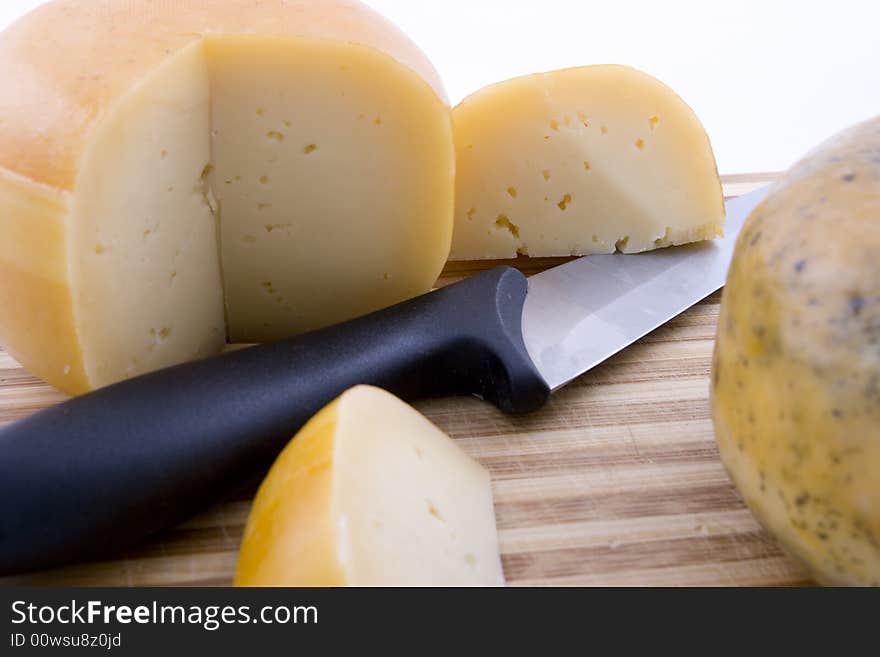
<point x="796" y="374"/>
<point x="176" y="175"/>
<point x="580" y="161"/>
<point x="370" y="493"/>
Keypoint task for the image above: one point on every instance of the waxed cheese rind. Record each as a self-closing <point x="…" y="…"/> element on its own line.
<point x="35" y="325"/>
<point x="290" y="535"/>
<point x="795" y="395"/>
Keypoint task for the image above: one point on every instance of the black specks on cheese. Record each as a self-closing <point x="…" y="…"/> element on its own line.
<point x="856" y="303"/>
<point x="872" y="390"/>
<point x="803" y="290"/>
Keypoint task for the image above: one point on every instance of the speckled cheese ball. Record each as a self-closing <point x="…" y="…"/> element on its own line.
<point x="796" y="372"/>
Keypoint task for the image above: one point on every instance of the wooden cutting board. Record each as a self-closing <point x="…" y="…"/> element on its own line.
<point x="617" y="481"/>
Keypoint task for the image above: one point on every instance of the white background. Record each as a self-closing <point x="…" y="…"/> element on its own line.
<point x="768" y="78"/>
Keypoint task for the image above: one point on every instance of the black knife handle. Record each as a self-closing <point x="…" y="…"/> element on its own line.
<point x="98" y="473"/>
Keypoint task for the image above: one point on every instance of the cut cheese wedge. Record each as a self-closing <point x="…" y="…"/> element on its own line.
<point x="580" y="161"/>
<point x="189" y="173"/>
<point x="370" y="493"/>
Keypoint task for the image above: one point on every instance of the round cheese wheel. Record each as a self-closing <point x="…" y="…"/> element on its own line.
<point x="176" y="175"/>
<point x="796" y="373"/>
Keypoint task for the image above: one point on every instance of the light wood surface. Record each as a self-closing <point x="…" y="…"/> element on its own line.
<point x="616" y="481"/>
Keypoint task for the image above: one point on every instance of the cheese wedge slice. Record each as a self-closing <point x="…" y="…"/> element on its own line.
<point x="186" y="174"/>
<point x="370" y="493"/>
<point x="579" y="161"/>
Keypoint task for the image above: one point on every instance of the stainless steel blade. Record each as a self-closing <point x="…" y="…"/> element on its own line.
<point x="580" y="313"/>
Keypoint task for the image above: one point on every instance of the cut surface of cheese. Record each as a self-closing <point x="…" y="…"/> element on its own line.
<point x="370" y="493"/>
<point x="580" y="161"/>
<point x="202" y="171"/>
<point x="325" y="185"/>
<point x="142" y="253"/>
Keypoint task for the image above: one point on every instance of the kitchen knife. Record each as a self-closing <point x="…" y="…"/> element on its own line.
<point x="96" y="474"/>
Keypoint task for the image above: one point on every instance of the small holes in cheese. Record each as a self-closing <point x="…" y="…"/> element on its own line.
<point x="504" y="222"/>
<point x="434" y="511"/>
<point x="665" y="239"/>
<point x="161" y="335"/>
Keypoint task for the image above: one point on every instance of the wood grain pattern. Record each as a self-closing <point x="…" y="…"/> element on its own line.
<point x="616" y="482"/>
